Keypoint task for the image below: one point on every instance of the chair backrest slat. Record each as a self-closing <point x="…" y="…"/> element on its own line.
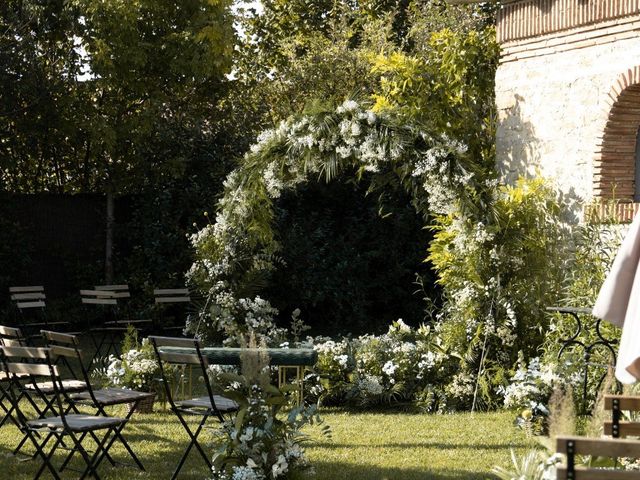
<point x="36" y="304"/>
<point x="10" y="331"/>
<point x="59" y="351"/>
<point x="173" y="342"/>
<point x="121" y="295"/>
<point x="35" y="369"/>
<point x="180" y="358"/>
<point x="11" y="337"/>
<point x="66" y="338"/>
<point x="115" y="291"/>
<point x="26" y="289"/>
<point x="112" y="288"/>
<point x="172" y="299"/>
<point x="28" y="296"/>
<point x="625" y="402"/>
<point x="602" y="447"/>
<point x="100" y="301"/>
<point x="97" y="293"/>
<point x="24" y="352"/>
<point x="171" y="291"/>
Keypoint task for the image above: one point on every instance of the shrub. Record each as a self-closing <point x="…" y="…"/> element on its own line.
<point x="262" y="441"/>
<point x="403" y="366"/>
<point x="498" y="273"/>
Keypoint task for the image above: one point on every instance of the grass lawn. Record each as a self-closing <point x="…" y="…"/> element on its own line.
<point x="364" y="446"/>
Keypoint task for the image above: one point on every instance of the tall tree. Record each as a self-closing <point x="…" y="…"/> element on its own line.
<point x="155" y="65"/>
<point x="38" y="95"/>
<point x="107" y="96"/>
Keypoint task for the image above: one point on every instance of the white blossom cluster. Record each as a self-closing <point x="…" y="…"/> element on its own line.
<point x="135" y="369"/>
<point x="442" y="176"/>
<point x="532" y="385"/>
<point x="462" y="385"/>
<point x="376" y="364"/>
<point x="238" y="318"/>
<point x="371" y="385"/>
<point x="266" y="448"/>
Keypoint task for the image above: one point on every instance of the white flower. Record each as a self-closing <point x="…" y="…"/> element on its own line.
<point x="370" y="384"/>
<point x="342" y="360"/>
<point x="245" y="473"/>
<point x="344" y="151"/>
<point x="280" y="467"/>
<point x="272" y="181"/>
<point x="348" y="106"/>
<point x="389" y="368"/>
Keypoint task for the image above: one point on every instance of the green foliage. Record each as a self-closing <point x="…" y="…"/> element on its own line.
<point x="262" y="440"/>
<point x="350" y="270"/>
<point x="534" y="465"/>
<point x="153" y="66"/>
<point x="448" y="87"/>
<point x="12" y="241"/>
<point x="39" y="101"/>
<point x="498" y="273"/>
<point x="99" y="94"/>
<point x="593" y="250"/>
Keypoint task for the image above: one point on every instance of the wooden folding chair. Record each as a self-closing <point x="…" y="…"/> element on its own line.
<point x="172" y="304"/>
<point x="30" y="304"/>
<point x="204" y="407"/>
<point x="31" y="390"/>
<point x="601" y="447"/>
<point x="122" y="316"/>
<point x="614" y="447"/>
<point x="67" y="348"/>
<point x="107" y="336"/>
<point x="75" y="427"/>
<point x="9" y="337"/>
<point x="617" y="404"/>
<point x="101" y="305"/>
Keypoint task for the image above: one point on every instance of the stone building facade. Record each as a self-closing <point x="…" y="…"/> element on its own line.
<point x="568" y="95"/>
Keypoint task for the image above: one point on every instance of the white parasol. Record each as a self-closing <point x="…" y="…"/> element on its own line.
<point x="619" y="303"/>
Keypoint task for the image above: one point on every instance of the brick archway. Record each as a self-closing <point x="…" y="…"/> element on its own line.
<point x="615" y="159"/>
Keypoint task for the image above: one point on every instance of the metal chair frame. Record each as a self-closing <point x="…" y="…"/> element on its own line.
<point x="206" y="407"/>
<point x="11" y="337"/>
<point x="61" y="426"/>
<point x="67" y="348"/>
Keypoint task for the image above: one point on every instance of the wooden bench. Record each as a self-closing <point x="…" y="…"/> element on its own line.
<point x="601" y="447"/>
<point x="616" y="447"/>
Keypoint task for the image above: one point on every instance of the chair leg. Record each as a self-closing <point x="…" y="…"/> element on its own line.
<point x="72" y="451"/>
<point x="194" y="441"/>
<point x="118" y="434"/>
<point x="7" y="413"/>
<point x="91" y="462"/>
<point x="102" y="450"/>
<point x="46" y="458"/>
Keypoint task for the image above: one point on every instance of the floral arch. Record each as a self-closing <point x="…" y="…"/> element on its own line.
<point x="240" y="246"/>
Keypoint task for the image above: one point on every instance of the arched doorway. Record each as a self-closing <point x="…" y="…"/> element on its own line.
<point x="617" y="160"/>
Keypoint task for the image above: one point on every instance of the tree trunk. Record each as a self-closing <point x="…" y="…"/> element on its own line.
<point x="108" y="258"/>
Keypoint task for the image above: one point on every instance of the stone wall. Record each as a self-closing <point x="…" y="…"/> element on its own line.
<point x="556" y="94"/>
